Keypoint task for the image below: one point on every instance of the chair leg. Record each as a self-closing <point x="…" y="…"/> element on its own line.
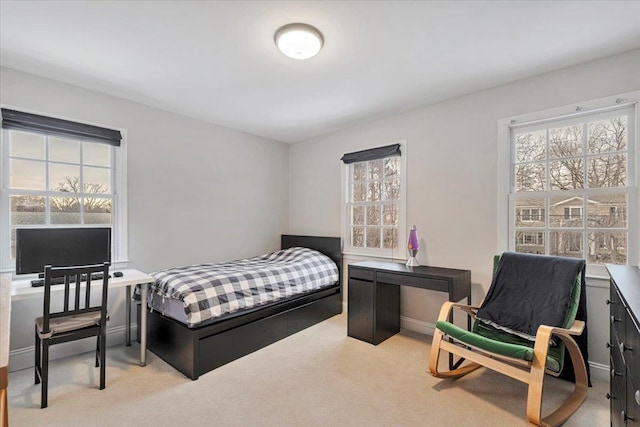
<point x="438" y="337"/>
<point x="45" y="373"/>
<point x="36" y="365"/>
<point x="97" y="351"/>
<point x="579" y="394"/>
<point x="103" y="348"/>
<point x="536" y="385"/>
<point x="4" y="404"/>
<point x="435" y="352"/>
<point x="4" y="408"/>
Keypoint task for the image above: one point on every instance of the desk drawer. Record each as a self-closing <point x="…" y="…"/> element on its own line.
<point x="358" y="273"/>
<point x="417" y="282"/>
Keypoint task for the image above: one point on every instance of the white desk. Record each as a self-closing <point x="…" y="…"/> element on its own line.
<point x="22" y="289"/>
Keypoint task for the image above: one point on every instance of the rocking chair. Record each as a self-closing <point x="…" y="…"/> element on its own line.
<point x="505" y="348"/>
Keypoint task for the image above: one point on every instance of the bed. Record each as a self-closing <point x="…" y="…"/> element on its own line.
<point x="197" y="344"/>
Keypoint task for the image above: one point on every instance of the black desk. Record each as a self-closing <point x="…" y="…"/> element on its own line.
<point x="374" y="295"/>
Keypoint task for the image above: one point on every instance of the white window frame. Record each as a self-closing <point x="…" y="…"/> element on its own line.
<point x="506" y="221"/>
<point x="401" y="251"/>
<point x="120" y="257"/>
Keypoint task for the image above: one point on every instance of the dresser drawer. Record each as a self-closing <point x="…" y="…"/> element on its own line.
<point x="616" y="328"/>
<point x="616" y="307"/>
<point x="631" y="350"/>
<point x="633" y="403"/>
<point x="617" y="400"/>
<point x="617" y="369"/>
<point x="624" y="305"/>
<point x="616" y="317"/>
<point x="417" y="282"/>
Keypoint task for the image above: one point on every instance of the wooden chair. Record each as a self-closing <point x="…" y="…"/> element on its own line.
<point x="517" y="357"/>
<point x="82" y="321"/>
<point x="5" y="326"/>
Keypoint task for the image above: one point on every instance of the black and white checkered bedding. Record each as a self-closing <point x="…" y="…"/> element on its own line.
<point x="212" y="290"/>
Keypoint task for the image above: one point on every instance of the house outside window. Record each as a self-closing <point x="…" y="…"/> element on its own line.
<point x="374" y="207"/>
<point x="53" y="181"/>
<point x="572" y="186"/>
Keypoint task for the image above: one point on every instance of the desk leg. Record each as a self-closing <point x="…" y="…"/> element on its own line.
<point x="127" y="329"/>
<point x="143" y="325"/>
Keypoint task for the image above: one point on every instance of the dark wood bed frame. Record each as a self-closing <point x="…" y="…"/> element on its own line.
<point x="195" y="351"/>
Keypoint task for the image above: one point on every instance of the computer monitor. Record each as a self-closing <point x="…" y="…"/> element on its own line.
<point x="61" y="247"/>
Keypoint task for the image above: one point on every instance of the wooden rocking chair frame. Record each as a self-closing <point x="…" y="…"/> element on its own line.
<point x="531" y="373"/>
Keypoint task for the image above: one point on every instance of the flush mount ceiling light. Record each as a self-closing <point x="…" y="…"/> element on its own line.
<point x="298" y="41"/>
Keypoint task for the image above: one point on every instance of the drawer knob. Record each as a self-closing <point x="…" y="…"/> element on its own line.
<point x="608" y="396"/>
<point x="615" y="374"/>
<point x="608" y="345"/>
<point x="625" y="417"/>
<point x="614" y="320"/>
<point x="624" y="348"/>
<point x="637" y="397"/>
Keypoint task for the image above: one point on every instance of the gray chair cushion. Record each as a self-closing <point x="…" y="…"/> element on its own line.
<point x="59" y="325"/>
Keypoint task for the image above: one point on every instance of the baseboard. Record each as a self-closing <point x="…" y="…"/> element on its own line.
<point x="417" y="325"/>
<point x="23" y="358"/>
<point x="599" y="371"/>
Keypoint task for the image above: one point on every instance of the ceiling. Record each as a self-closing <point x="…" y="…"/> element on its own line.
<point x="217" y="61"/>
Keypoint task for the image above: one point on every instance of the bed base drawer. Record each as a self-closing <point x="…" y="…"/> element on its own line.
<point x="217" y="350"/>
<point x="194" y="352"/>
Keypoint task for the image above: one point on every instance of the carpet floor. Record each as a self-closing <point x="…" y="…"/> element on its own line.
<point x="317" y="377"/>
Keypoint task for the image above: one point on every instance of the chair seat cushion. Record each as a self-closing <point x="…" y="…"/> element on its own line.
<point x="521" y="351"/>
<point x="58" y="325"/>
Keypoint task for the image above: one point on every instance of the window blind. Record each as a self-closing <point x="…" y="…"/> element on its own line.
<point x="19" y="120"/>
<point x="372" y="154"/>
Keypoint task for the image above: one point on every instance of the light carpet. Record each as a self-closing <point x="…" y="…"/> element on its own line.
<point x="317" y="377"/>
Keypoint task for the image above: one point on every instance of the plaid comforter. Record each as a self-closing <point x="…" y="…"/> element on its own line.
<point x="212" y="290"/>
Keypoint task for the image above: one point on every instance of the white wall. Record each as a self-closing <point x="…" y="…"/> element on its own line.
<point x="452" y="177"/>
<point x="197" y="192"/>
<point x="238" y="186"/>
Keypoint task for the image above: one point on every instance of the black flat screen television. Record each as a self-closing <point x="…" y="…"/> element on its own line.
<point x="61" y="247"/>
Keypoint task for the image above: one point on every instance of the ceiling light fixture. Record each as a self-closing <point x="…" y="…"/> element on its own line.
<point x="299" y="41"/>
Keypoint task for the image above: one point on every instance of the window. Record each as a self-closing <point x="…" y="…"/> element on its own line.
<point x="571" y="184"/>
<point x="530" y="238"/>
<point x="529" y="214"/>
<point x="374" y="202"/>
<point x="573" y="213"/>
<point x="58" y="181"/>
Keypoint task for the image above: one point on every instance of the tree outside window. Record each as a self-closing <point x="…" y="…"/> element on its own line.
<point x="55" y="181"/>
<point x="570" y="187"/>
<point x="373" y="202"/>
